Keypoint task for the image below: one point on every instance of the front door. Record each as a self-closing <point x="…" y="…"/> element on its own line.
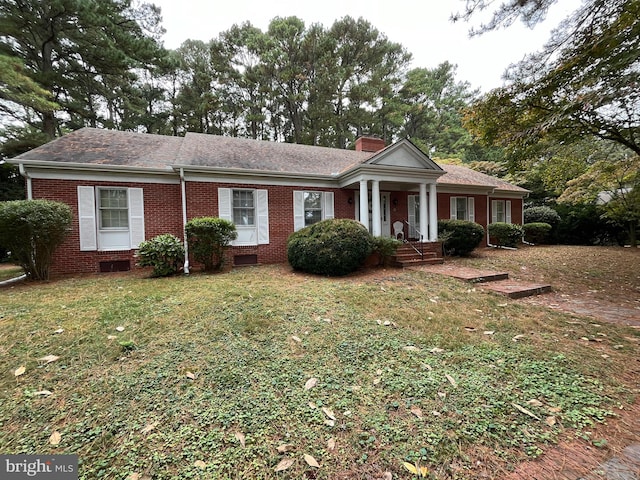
<point x="385" y="214"/>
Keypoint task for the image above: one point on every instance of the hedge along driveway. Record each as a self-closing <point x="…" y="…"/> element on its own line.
<point x="206" y="376"/>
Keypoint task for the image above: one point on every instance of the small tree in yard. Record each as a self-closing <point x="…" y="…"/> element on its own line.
<point x="165" y="253"/>
<point x="207" y="238"/>
<point x="31" y="230"/>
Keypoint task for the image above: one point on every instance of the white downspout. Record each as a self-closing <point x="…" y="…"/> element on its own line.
<point x="24" y="173"/>
<point x="489" y="217"/>
<point x="183" y="188"/>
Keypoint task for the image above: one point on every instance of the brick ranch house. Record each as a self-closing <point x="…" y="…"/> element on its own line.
<point x="126" y="187"/>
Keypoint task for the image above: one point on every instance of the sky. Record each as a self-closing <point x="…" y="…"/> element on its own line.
<point x="421" y="26"/>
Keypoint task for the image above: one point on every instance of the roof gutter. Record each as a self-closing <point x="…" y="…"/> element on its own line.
<point x="24" y="173"/>
<point x="183" y="188"/>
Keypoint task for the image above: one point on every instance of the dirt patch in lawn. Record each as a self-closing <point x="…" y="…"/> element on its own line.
<point x="601" y="282"/>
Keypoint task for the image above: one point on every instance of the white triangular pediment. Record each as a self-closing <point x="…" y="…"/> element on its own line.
<point x="404" y="154"/>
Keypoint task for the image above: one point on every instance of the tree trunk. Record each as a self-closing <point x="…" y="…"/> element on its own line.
<point x="633" y="234"/>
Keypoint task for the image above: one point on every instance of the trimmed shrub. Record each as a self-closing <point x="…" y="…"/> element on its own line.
<point x="542" y="214"/>
<point x="165" y="253"/>
<point x="459" y="237"/>
<point x="537" y="232"/>
<point x="330" y="247"/>
<point x="207" y="238"/>
<point x="505" y="234"/>
<point x="31" y="230"/>
<point x="385" y="247"/>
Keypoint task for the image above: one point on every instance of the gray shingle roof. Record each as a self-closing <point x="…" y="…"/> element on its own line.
<point x="109" y="147"/>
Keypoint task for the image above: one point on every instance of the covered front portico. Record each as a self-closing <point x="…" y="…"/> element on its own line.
<point x="398" y="184"/>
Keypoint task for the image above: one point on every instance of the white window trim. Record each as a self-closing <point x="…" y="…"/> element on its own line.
<point x="248" y="235"/>
<point x="327" y="202"/>
<point x="92" y="237"/>
<point x="453" y="210"/>
<point x="507" y="211"/>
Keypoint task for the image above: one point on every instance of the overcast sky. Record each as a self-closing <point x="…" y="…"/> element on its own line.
<point x="422" y="27"/>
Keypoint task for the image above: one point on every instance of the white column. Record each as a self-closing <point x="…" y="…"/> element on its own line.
<point x="375" y="207"/>
<point x="423" y="212"/>
<point x="364" y="204"/>
<point x="433" y="213"/>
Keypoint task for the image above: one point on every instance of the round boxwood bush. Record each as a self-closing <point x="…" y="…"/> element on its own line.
<point x="165" y="253"/>
<point x="459" y="237"/>
<point x="542" y="215"/>
<point x="505" y="234"/>
<point x="330" y="247"/>
<point x="537" y="232"/>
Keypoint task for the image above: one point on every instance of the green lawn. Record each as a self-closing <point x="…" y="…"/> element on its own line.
<point x="206" y="378"/>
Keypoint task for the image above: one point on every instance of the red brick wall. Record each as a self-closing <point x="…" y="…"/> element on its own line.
<point x="202" y="200"/>
<point x="163" y="214"/>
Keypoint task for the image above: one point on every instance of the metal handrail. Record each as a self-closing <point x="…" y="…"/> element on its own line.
<point x="411" y="229"/>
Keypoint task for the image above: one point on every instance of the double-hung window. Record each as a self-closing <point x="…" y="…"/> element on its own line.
<point x="244" y="209"/>
<point x="310" y="207"/>
<point x="462" y="208"/>
<point x="500" y="211"/>
<point x="248" y="209"/>
<point x="110" y="218"/>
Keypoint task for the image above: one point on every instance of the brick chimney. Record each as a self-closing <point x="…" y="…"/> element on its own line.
<point x="369" y="144"/>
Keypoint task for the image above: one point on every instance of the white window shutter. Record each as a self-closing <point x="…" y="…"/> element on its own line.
<point x="298" y="210"/>
<point x="453" y="208"/>
<point x="412" y="211"/>
<point x="471" y="209"/>
<point x="87" y="219"/>
<point x="494" y="211"/>
<point x="224" y="204"/>
<point x="327" y="208"/>
<point x="508" y="211"/>
<point x="263" y="216"/>
<point x="136" y="216"/>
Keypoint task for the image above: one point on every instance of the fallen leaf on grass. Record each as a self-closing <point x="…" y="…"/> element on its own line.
<point x="284" y="464"/>
<point x="535" y="403"/>
<point x="190" y="375"/>
<point x="199" y="464"/>
<point x="416" y="469"/>
<point x="149" y="427"/>
<point x="296" y="338"/>
<point x="436" y="350"/>
<point x="411" y="348"/>
<point x="442" y="394"/>
<point x="119" y="329"/>
<point x="48" y="359"/>
<point x="489" y="332"/>
<point x="19" y="371"/>
<point x="517" y="337"/>
<point x="285" y="447"/>
<point x="451" y="380"/>
<point x="59" y="331"/>
<point x="55" y="438"/>
<point x="311" y="461"/>
<point x="111" y="337"/>
<point x="550" y="420"/>
<point x="329" y="413"/>
<point x="43" y="393"/>
<point x="417" y="411"/>
<point x="312" y="382"/>
<point x="525" y="411"/>
<point x="330" y="423"/>
<point x="240" y="437"/>
<point x="470" y="329"/>
<point x="331" y="444"/>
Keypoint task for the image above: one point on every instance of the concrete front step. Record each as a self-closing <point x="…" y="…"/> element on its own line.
<point x="414" y="262"/>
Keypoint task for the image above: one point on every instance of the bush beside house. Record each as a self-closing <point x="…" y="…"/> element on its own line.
<point x="32" y="230"/>
<point x="165" y="253"/>
<point x="537" y="232"/>
<point x="505" y="234"/>
<point x="207" y="239"/>
<point x="460" y="237"/>
<point x="331" y="247"/>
